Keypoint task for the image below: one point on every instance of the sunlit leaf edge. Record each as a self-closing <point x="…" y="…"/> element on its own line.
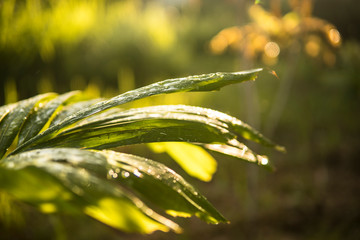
<point x="205" y="82"/>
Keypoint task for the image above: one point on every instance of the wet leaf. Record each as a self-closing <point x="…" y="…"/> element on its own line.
<point x="40" y="163"/>
<point x="205" y="82"/>
<point x="76" y="180"/>
<point x="12" y="121"/>
<point x="240" y="151"/>
<point x="160" y="185"/>
<point x="160" y="124"/>
<point x="72" y="109"/>
<point x="41" y="115"/>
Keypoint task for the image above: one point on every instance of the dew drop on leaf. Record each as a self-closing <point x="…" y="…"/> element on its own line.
<point x="125" y="174"/>
<point x="137" y="173"/>
<point x="149" y="211"/>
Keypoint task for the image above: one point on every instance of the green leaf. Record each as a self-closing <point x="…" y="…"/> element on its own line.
<point x="41" y="115"/>
<point x="13" y="117"/>
<point x="241" y="151"/>
<point x="72" y="109"/>
<point x="138" y="131"/>
<point x="193" y="159"/>
<point x="205" y="82"/>
<point x="86" y="176"/>
<point x="160" y="124"/>
<point x="161" y="185"/>
<point x="41" y="165"/>
<point x="76" y="181"/>
<point x="122" y="214"/>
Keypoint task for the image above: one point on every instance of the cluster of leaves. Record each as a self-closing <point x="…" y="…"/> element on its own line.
<point x="54" y="153"/>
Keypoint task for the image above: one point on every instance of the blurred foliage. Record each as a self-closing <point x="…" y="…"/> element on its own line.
<point x="271" y="33"/>
<point x="82" y="42"/>
<point x="114" y="45"/>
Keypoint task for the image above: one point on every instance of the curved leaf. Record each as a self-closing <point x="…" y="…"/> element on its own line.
<point x="139" y="131"/>
<point x="76" y="179"/>
<point x="85" y="174"/>
<point x="15" y="115"/>
<point x="235" y="125"/>
<point x="40" y="115"/>
<point x="161" y="185"/>
<point x="205" y="82"/>
<point x="193" y="159"/>
<point x="72" y="109"/>
<point x="160" y="124"/>
<point x="105" y="184"/>
<point x="241" y="151"/>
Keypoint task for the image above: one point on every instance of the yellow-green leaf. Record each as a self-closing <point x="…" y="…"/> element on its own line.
<point x="193" y="159"/>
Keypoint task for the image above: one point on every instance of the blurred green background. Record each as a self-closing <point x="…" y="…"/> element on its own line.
<point x="308" y="101"/>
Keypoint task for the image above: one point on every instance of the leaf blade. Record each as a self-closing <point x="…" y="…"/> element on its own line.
<point x="193" y="159"/>
<point x="41" y="115"/>
<point x="175" y="123"/>
<point x="15" y="116"/>
<point x="161" y="185"/>
<point x="82" y="175"/>
<point x="205" y="82"/>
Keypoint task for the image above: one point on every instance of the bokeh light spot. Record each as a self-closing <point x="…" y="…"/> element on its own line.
<point x="334" y="37"/>
<point x="218" y="44"/>
<point x="272" y="49"/>
<point x="312" y="48"/>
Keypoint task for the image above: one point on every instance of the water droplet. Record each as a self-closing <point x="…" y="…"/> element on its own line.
<point x="149" y="211"/>
<point x="112" y="174"/>
<point x="139" y="204"/>
<point x="264" y="160"/>
<point x="125" y="174"/>
<point x="10" y="165"/>
<point x="137" y="173"/>
<point x="171" y="171"/>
